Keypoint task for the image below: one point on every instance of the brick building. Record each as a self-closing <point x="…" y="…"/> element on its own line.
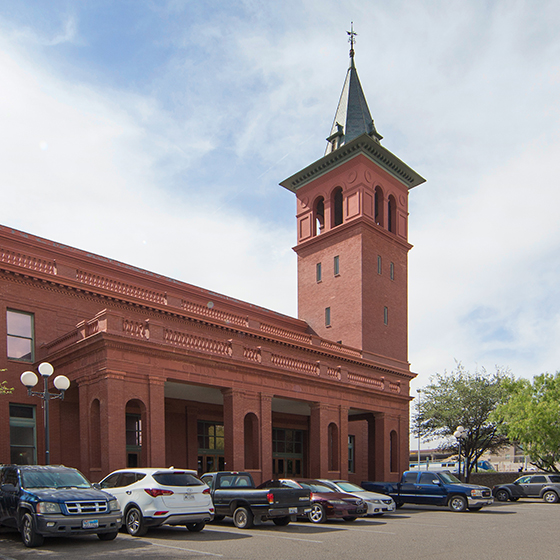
<point x="166" y="373"/>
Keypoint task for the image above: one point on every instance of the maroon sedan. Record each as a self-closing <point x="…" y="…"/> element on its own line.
<point x="325" y="502"/>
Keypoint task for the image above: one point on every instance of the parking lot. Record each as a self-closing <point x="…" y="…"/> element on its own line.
<point x="520" y="530"/>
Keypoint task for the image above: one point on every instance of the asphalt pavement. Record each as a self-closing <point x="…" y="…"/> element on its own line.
<point x="512" y="531"/>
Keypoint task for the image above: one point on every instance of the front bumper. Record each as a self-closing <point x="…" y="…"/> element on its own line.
<point x="64" y="525"/>
<point x="474" y="502"/>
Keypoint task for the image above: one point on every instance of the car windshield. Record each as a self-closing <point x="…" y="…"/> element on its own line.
<point x="315" y="486"/>
<point x="449" y="478"/>
<point x="55" y="478"/>
<point x="349" y="487"/>
<point x="177" y="479"/>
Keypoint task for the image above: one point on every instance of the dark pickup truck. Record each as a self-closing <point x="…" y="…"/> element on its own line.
<point x="234" y="495"/>
<point x="55" y="501"/>
<point x="437" y="488"/>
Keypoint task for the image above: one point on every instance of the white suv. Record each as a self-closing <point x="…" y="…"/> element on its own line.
<point x="151" y="497"/>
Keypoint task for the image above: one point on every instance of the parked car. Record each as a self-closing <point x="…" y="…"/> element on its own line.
<point x="541" y="485"/>
<point x="437" y="488"/>
<point x="48" y="501"/>
<point x="234" y="494"/>
<point x="377" y="504"/>
<point x="151" y="497"/>
<point x="326" y="503"/>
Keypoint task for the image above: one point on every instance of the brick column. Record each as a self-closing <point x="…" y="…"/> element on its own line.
<point x="318" y="442"/>
<point x="266" y="436"/>
<point x="192" y="437"/>
<point x="85" y="434"/>
<point x="233" y="430"/>
<point x="382" y="458"/>
<point x="343" y="445"/>
<point x="113" y="425"/>
<point x="156" y="423"/>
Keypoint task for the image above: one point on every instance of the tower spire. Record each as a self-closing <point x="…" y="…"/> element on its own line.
<point x="352" y="118"/>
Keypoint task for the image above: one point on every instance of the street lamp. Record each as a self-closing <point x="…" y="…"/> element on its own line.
<point x="419" y="391"/>
<point x="61" y="382"/>
<point x="460" y="435"/>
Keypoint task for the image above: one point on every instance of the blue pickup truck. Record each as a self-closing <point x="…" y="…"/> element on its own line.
<point x="55" y="501"/>
<point x="437" y="488"/>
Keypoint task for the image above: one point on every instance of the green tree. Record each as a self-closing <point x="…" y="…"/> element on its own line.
<point x="531" y="417"/>
<point x="4" y="389"/>
<point x="461" y="398"/>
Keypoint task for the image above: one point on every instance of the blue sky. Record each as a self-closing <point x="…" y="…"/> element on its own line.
<point x="156" y="133"/>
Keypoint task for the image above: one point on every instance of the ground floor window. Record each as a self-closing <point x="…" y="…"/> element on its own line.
<point x="287" y="452"/>
<point x="23" y="438"/>
<point x="210" y="447"/>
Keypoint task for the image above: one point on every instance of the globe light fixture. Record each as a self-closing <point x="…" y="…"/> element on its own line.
<point x="61" y="382"/>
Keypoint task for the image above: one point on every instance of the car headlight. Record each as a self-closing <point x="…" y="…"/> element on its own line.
<point x="48" y="507"/>
<point x="114" y="505"/>
<point x="374" y="501"/>
<point x="476" y="493"/>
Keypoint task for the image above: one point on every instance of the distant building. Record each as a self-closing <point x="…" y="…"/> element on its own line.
<point x="165" y="373"/>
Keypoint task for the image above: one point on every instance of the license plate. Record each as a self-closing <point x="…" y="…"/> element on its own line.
<point x="90" y="523"/>
<point x="292" y="510"/>
<point x="189" y="497"/>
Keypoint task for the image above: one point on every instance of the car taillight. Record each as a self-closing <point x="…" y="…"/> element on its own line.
<point x="206" y="491"/>
<point x="310" y="495"/>
<point x="270" y="497"/>
<point x="155" y="492"/>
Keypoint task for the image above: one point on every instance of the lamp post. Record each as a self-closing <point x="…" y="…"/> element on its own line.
<point x="460" y="434"/>
<point x="61" y="382"/>
<point x="419" y="391"/>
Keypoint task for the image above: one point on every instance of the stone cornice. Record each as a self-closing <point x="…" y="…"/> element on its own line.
<point x="361" y="145"/>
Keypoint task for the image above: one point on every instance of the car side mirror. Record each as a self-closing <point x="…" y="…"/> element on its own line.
<point x="96" y="485"/>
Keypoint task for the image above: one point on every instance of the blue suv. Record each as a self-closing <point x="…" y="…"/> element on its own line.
<point x="49" y="501"/>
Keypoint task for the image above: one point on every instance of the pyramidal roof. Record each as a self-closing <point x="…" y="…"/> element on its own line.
<point x="352" y="118"/>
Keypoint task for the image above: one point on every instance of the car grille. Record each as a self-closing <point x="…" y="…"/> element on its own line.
<point x="486" y="493"/>
<point x="75" y="508"/>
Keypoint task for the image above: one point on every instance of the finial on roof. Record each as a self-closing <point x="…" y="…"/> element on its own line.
<point x="352" y="40"/>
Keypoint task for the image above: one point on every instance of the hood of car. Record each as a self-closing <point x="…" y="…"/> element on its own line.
<point x="67" y="494"/>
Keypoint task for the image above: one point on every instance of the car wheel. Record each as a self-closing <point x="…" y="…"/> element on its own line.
<point x="134" y="522"/>
<point x="243" y="518"/>
<point x="29" y="535"/>
<point x="107" y="536"/>
<point x="195" y="527"/>
<point x="550" y="497"/>
<point x="502" y="495"/>
<point x="317" y="514"/>
<point x="457" y="503"/>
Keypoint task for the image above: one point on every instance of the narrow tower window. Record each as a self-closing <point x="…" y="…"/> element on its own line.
<point x="337" y="265"/>
<point x="392" y="271"/>
<point x="379" y="265"/>
<point x="318" y="274"/>
<point x="327" y="316"/>
<point x="386" y="315"/>
<point x="378" y="206"/>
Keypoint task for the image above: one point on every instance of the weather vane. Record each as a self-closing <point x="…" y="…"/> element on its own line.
<point x="352" y="39"/>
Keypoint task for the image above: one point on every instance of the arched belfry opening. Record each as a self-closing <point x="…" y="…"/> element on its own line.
<point x="378" y="206"/>
<point x="337" y="199"/>
<point x="318" y="215"/>
<point x="392" y="214"/>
